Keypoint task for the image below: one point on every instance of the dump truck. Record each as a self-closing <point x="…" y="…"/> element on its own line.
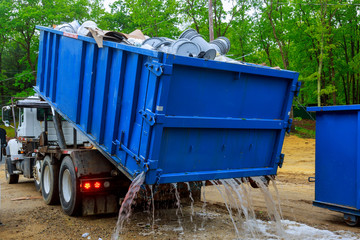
<point x="107" y="114"/>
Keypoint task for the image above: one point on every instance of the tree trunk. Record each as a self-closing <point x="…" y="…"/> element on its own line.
<point x="282" y="51"/>
<point x="320" y="70"/>
<point x="345" y="91"/>
<point x="211" y="21"/>
<point x="323" y="14"/>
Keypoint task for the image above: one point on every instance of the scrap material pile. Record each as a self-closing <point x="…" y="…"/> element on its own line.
<point x="189" y="43"/>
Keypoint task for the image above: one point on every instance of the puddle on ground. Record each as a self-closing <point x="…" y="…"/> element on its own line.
<point x="202" y="221"/>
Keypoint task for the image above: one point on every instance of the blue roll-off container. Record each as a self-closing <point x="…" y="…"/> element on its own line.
<point x="337" y="159"/>
<point x="176" y="118"/>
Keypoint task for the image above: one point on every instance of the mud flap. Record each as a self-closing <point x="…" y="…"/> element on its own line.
<point x="10" y="166"/>
<point x="99" y="204"/>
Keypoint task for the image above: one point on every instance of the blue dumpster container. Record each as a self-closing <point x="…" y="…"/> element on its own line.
<point x="337" y="165"/>
<point x="176" y="118"/>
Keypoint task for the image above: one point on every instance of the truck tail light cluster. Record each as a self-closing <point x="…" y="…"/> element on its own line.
<point x="94" y="185"/>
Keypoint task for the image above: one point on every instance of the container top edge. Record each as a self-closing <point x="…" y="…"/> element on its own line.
<point x="120" y="46"/>
<point x="334" y="108"/>
<point x="228" y="66"/>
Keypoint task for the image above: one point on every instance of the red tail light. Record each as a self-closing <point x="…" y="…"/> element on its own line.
<point x="95" y="185"/>
<point x="87" y="185"/>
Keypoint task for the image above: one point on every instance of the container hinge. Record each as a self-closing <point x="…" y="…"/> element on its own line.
<point x="296" y="88"/>
<point x="288" y="125"/>
<point x="281" y="160"/>
<point x="156" y="68"/>
<point x="148" y="116"/>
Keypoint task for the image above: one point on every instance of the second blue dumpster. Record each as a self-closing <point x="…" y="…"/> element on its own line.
<point x="337" y="165"/>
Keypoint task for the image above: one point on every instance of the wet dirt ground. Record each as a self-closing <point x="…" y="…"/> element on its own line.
<point x="32" y="219"/>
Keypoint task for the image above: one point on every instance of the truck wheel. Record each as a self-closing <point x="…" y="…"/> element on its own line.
<point x="69" y="188"/>
<point x="49" y="182"/>
<point x="37" y="175"/>
<point x="352" y="220"/>
<point x="10" y="178"/>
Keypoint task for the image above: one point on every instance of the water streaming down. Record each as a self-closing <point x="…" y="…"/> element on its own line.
<point x="125" y="209"/>
<point x="152" y="207"/>
<point x="227" y="207"/>
<point x="203" y="210"/>
<point x="236" y="194"/>
<point x="191" y="203"/>
<point x="273" y="181"/>
<point x="273" y="211"/>
<point x="250" y="225"/>
<point x="179" y="209"/>
<point x="251" y="221"/>
<point x="233" y="202"/>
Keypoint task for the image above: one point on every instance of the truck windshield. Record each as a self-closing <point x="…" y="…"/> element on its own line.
<point x="40" y="115"/>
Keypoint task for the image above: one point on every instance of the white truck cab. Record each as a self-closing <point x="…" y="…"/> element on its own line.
<point x="31" y="124"/>
<point x="30" y="117"/>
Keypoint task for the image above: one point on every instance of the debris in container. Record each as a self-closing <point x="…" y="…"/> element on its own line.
<point x="221" y="45"/>
<point x="84" y="29"/>
<point x="184" y="47"/>
<point x="69" y="27"/>
<point x="223" y="58"/>
<point x="189" y="44"/>
<point x="192" y="35"/>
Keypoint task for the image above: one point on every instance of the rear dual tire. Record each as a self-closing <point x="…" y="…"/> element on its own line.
<point x="69" y="188"/>
<point x="37" y="175"/>
<point x="49" y="182"/>
<point x="10" y="178"/>
<point x="61" y="185"/>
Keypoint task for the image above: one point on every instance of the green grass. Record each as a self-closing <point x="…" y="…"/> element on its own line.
<point x="10" y="132"/>
<point x="307" y="124"/>
<point x="304" y="133"/>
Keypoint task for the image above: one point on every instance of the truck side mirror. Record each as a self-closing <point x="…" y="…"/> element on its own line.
<point x="6" y="115"/>
<point x="6" y="123"/>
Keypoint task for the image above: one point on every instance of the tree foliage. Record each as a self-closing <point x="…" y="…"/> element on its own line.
<point x="320" y="39"/>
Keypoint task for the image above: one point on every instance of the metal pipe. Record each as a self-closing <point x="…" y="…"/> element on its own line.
<point x="45" y="121"/>
<point x="58" y="129"/>
<point x="75" y="138"/>
<point x="13" y="113"/>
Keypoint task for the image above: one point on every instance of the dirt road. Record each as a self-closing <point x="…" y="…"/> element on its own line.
<point x="32" y="219"/>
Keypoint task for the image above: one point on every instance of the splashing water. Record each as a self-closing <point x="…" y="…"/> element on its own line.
<point x="250" y="224"/>
<point x="237" y="196"/>
<point x="125" y="209"/>
<point x="273" y="211"/>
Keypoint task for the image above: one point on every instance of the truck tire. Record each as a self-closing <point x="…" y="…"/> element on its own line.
<point x="49" y="181"/>
<point x="69" y="188"/>
<point x="10" y="178"/>
<point x="352" y="220"/>
<point x="37" y="175"/>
